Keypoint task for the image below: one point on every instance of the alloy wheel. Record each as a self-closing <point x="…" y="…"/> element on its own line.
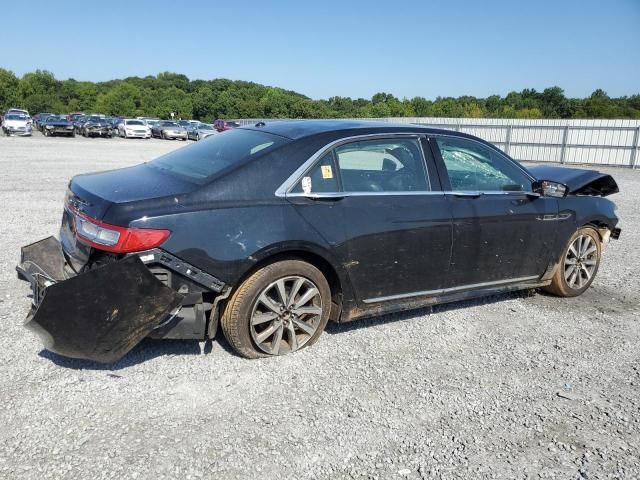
<point x="286" y="315"/>
<point x="580" y="262"/>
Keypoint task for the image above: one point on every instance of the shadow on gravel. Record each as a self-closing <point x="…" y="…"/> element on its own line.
<point x="146" y="350"/>
<point x="337" y="328"/>
<point x="149" y="349"/>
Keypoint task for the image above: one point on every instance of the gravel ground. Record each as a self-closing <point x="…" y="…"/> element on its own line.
<point x="514" y="386"/>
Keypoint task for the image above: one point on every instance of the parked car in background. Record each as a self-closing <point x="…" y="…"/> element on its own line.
<point x="73" y="115"/>
<point x="199" y="131"/>
<point x="16" y="124"/>
<point x="133" y="128"/>
<point x="38" y="118"/>
<point x="55" y="125"/>
<point x="184" y="123"/>
<point x="169" y="130"/>
<point x="114" y="122"/>
<point x="19" y="111"/>
<point x="78" y="122"/>
<point x="267" y="231"/>
<point x="96" y="126"/>
<point x="223" y="125"/>
<point x="149" y="121"/>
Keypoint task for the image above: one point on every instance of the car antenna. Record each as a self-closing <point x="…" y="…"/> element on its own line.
<point x="261" y="124"/>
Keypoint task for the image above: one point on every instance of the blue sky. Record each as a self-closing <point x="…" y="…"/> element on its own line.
<point x="326" y="48"/>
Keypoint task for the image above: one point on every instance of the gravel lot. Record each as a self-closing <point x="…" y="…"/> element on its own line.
<point x="515" y="386"/>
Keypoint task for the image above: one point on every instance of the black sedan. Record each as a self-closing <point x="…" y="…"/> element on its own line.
<point x="96" y="126"/>
<point x="57" y="125"/>
<point x="274" y="229"/>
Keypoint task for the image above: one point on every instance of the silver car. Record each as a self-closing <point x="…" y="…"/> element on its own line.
<point x="198" y="131"/>
<point x="16" y="124"/>
<point x="168" y="130"/>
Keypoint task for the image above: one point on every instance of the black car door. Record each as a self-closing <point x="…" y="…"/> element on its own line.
<point x="502" y="231"/>
<point x="378" y="195"/>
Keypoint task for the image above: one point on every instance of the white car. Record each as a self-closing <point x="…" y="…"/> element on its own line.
<point x="134" y="128"/>
<point x="17" y="124"/>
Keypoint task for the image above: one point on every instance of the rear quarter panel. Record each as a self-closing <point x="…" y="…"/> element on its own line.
<point x="228" y="242"/>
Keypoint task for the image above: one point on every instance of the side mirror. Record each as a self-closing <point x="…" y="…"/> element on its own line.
<point x="549" y="188"/>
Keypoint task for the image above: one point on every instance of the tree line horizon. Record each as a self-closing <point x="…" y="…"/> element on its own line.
<point x="207" y="100"/>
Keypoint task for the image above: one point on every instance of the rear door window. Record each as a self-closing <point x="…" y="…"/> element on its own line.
<point x="322" y="178"/>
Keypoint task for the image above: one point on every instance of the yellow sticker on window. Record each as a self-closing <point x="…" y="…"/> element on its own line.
<point x="326" y="171"/>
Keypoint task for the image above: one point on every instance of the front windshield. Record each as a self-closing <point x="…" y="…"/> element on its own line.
<point x="95" y="119"/>
<point x="204" y="126"/>
<point x="134" y="122"/>
<point x="169" y="124"/>
<point x="13" y="116"/>
<point x="218" y="152"/>
<point x="56" y="118"/>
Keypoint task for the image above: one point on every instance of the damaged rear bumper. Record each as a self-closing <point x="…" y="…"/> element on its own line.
<point x="98" y="315"/>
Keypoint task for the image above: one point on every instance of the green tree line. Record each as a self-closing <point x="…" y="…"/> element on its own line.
<point x="207" y="100"/>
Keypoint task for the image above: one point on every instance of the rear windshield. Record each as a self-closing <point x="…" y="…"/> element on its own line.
<point x="208" y="157"/>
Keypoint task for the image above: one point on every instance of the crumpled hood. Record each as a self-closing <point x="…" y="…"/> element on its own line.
<point x="580" y="181"/>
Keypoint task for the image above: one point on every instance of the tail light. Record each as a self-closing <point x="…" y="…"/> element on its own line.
<point x="113" y="238"/>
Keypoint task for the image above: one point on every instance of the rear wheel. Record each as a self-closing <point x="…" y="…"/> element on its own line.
<point x="281" y="308"/>
<point x="578" y="265"/>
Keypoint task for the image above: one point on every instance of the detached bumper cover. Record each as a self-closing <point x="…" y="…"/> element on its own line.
<point x="99" y="315"/>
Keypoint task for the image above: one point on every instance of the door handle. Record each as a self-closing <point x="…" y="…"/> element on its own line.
<point x="331" y="197"/>
<point x="467" y="194"/>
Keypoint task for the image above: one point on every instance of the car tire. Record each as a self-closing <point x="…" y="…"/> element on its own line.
<point x="45" y="132"/>
<point x="73" y="135"/>
<point x="578" y="265"/>
<point x="163" y="136"/>
<point x="243" y="321"/>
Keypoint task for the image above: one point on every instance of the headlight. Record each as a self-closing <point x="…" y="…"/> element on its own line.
<point x="49" y="126"/>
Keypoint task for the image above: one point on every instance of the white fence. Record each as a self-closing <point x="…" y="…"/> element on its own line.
<point x="596" y="142"/>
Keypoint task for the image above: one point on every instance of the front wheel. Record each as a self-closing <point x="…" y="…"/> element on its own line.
<point x="279" y="309"/>
<point x="578" y="265"/>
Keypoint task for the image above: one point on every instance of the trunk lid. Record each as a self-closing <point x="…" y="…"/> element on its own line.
<point x="94" y="194"/>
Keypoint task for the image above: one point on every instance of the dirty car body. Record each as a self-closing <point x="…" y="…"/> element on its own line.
<point x="55" y="125"/>
<point x="381" y="210"/>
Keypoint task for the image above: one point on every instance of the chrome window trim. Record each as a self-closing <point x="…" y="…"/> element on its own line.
<point x="363" y="194"/>
<point x="491" y="147"/>
<point x="321" y="195"/>
<point x="283" y="190"/>
<point x="450" y="289"/>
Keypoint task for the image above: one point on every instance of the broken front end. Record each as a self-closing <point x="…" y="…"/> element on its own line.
<point x="98" y="303"/>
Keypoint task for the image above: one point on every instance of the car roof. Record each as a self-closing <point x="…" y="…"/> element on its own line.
<point x="296" y="129"/>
